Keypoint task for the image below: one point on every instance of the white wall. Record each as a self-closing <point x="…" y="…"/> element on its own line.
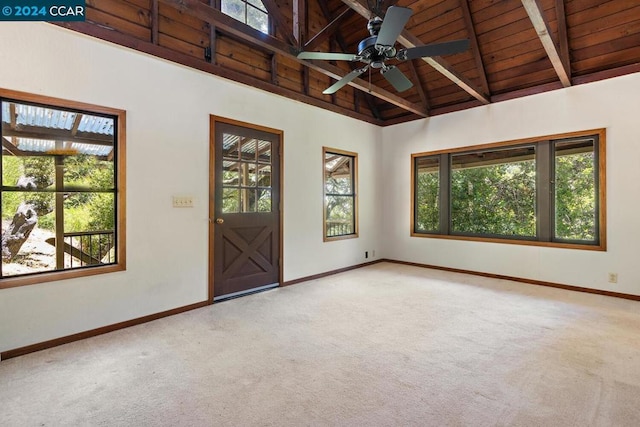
<point x="612" y="104"/>
<point x="168" y="108"/>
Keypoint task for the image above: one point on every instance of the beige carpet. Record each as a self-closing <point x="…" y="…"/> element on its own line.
<point x="383" y="345"/>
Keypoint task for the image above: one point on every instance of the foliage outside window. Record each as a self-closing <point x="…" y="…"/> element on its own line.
<point x="427" y="194"/>
<point x="493" y="192"/>
<point x="246" y="174"/>
<point x="340" y="194"/>
<point x="250" y="12"/>
<point x="547" y="191"/>
<point x="60" y="190"/>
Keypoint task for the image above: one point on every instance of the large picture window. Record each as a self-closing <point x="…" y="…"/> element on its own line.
<point x="62" y="189"/>
<point x="340" y="194"/>
<point x="547" y="191"/>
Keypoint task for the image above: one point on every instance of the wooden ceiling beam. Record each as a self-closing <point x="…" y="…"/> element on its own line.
<point x="419" y="85"/>
<point x="536" y="15"/>
<point x="475" y="47"/>
<point x="300" y="21"/>
<point x="280" y="21"/>
<point x="563" y="40"/>
<point x="408" y="40"/>
<point x="324" y="34"/>
<point x="155" y="24"/>
<point x="231" y="26"/>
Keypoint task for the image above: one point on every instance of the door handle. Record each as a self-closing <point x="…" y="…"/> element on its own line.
<point x="220" y="221"/>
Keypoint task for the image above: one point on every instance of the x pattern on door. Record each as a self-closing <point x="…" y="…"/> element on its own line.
<point x="248" y="251"/>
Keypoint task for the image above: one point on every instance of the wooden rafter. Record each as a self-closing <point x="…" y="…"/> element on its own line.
<point x="419" y="85"/>
<point x="475" y="48"/>
<point x="231" y="26"/>
<point x="213" y="36"/>
<point x="155" y="24"/>
<point x="280" y="21"/>
<point x="563" y="41"/>
<point x="76" y="124"/>
<point x="300" y="21"/>
<point x="541" y="26"/>
<point x="443" y="67"/>
<point x="324" y="34"/>
<point x="408" y="40"/>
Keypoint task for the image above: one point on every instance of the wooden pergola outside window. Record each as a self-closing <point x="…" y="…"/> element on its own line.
<point x="62" y="189"/>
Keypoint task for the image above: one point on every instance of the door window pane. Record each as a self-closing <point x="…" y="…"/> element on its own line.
<point x="264" y="176"/>
<point x="248" y="200"/>
<point x="264" y="152"/>
<point x="230" y="146"/>
<point x="264" y="200"/>
<point x="249" y="150"/>
<point x="230" y="200"/>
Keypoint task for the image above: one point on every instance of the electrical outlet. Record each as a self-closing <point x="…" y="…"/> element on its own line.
<point x="373" y="253"/>
<point x="613" y="277"/>
<point x="182" y="201"/>
<point x="366" y="254"/>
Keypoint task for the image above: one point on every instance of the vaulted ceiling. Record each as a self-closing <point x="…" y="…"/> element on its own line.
<point x="517" y="48"/>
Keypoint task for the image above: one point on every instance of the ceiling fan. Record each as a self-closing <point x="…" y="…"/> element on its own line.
<point x="378" y="48"/>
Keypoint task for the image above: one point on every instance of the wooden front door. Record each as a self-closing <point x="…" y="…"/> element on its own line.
<point x="245" y="210"/>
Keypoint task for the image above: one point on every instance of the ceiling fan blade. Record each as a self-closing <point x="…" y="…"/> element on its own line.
<point x="435" y="49"/>
<point x="344" y="81"/>
<point x="327" y="56"/>
<point x="397" y="78"/>
<point x="392" y="25"/>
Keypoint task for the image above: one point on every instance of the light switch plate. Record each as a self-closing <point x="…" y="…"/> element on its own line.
<point x="182" y="201"/>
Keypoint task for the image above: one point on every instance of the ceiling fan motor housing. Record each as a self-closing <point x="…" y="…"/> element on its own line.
<point x="370" y="54"/>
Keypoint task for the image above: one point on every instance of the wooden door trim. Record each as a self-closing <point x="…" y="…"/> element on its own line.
<point x="213" y="119"/>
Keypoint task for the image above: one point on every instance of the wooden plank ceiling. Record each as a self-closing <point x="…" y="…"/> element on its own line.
<point x="518" y="48"/>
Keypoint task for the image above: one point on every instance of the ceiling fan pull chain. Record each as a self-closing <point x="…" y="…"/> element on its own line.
<point x="369" y="79"/>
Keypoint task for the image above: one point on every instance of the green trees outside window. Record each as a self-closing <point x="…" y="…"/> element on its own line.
<point x="546" y="190"/>
<point x="494" y="192"/>
<point x="576" y="177"/>
<point x="427" y="185"/>
<point x="340" y="201"/>
<point x="59" y="189"/>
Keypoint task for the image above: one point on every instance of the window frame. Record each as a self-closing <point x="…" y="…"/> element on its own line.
<point x="545" y="236"/>
<point x="270" y="28"/>
<point x="354" y="194"/>
<point x="119" y="182"/>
